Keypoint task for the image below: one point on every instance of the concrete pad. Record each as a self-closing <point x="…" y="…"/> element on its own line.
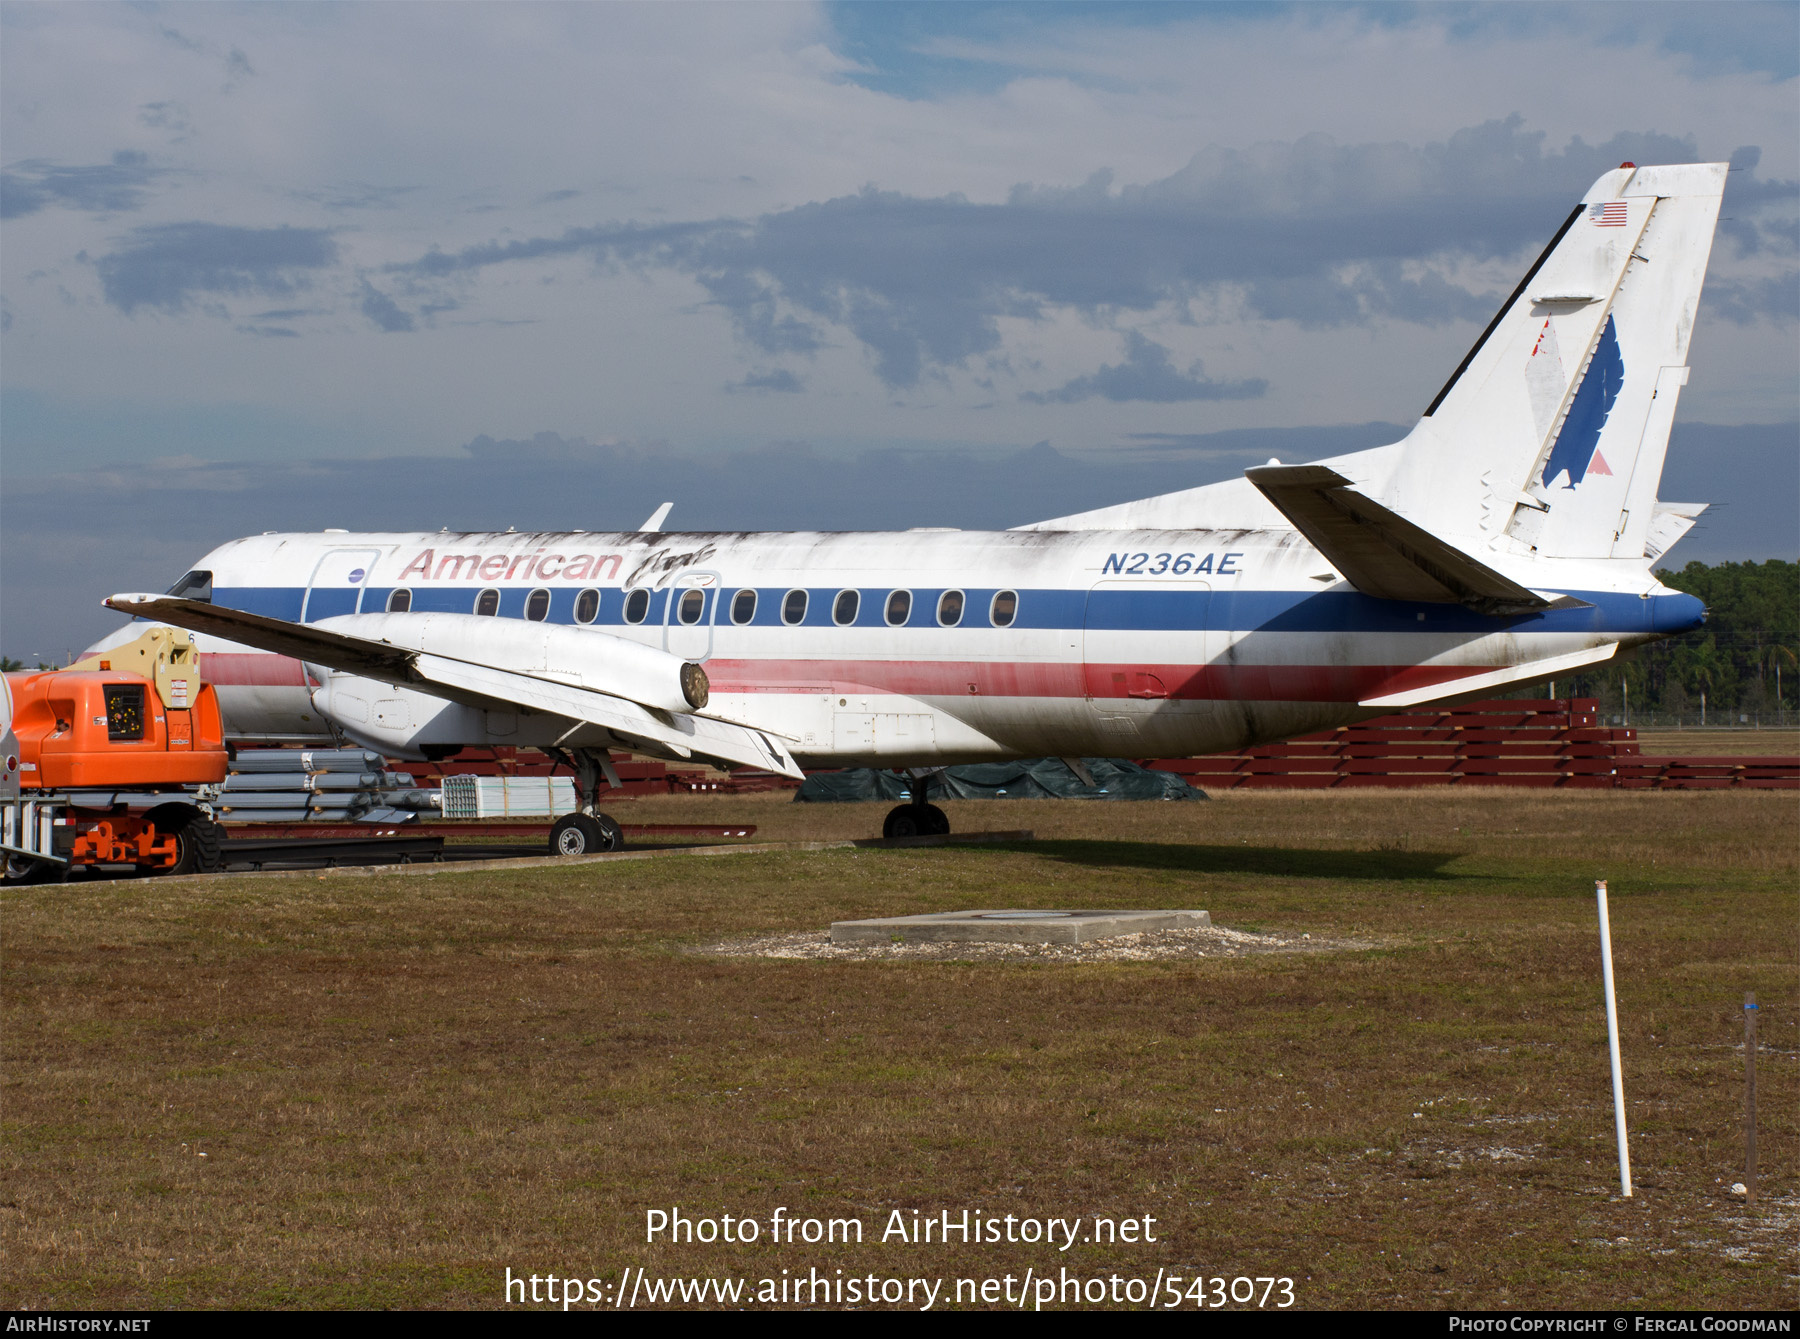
<point x="1013" y="927"/>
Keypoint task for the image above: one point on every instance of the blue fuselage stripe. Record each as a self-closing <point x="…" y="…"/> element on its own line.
<point x="1335" y="611"/>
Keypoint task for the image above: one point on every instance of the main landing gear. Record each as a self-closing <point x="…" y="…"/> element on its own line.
<point x="587" y="831"/>
<point x="920" y="818"/>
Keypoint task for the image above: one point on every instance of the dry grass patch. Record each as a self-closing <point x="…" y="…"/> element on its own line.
<point x="404" y="1086"/>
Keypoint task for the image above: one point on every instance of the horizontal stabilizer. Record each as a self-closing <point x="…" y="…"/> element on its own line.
<point x="1669" y="522"/>
<point x="658" y="731"/>
<point x="1496" y="681"/>
<point x="1380" y="553"/>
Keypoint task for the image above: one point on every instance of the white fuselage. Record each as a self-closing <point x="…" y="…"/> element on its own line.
<point x="912" y="648"/>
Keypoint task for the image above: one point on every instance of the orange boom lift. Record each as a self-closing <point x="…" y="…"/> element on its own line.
<point x="109" y="761"/>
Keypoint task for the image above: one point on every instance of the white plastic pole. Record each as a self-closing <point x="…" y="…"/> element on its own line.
<point x="1612" y="1040"/>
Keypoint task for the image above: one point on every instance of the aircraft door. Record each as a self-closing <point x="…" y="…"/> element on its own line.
<point x="337" y="584"/>
<point x="689" y="614"/>
<point x="1144" y="642"/>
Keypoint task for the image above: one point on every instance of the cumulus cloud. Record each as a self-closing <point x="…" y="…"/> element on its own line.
<point x="165" y="265"/>
<point x="1147" y="374"/>
<point x="101" y="188"/>
<point x="383" y="311"/>
<point x="1312" y="231"/>
<point x="778" y="379"/>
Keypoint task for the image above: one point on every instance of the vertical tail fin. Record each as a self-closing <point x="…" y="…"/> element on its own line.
<point x="1550" y="436"/>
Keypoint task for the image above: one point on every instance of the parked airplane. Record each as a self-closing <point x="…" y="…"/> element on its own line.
<point x="1507" y="539"/>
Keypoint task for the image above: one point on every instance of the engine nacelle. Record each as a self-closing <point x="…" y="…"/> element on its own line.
<point x="402" y="722"/>
<point x="583" y="657"/>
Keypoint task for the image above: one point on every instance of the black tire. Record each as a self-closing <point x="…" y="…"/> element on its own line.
<point x="24" y="870"/>
<point x="585" y="834"/>
<point x="614" y="834"/>
<point x="915" y="820"/>
<point x="199" y="847"/>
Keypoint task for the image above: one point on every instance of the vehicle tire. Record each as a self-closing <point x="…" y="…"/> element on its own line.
<point x="585" y="834"/>
<point x="23" y="869"/>
<point x="915" y="820"/>
<point x="199" y="847"/>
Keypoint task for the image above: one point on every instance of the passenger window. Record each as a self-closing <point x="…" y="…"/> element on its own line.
<point x="124" y="710"/>
<point x="1004" y="609"/>
<point x="950" y="607"/>
<point x="693" y="604"/>
<point x="194" y="586"/>
<point x="637" y="605"/>
<point x="399" y="601"/>
<point x="843" y="609"/>
<point x="537" y="606"/>
<point x="899" y="608"/>
<point x="587" y="606"/>
<point x="487" y="603"/>
<point x="743" y="606"/>
<point x="793" y="608"/>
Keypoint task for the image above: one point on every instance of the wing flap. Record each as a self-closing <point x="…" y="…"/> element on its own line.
<point x="1381" y="553"/>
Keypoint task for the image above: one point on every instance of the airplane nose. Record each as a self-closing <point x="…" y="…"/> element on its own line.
<point x="1676" y="613"/>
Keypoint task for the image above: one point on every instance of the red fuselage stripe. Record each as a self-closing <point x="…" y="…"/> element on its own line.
<point x="981" y="678"/>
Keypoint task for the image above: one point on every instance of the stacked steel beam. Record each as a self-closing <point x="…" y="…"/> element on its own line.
<point x="1544" y="743"/>
<point x="319" y="785"/>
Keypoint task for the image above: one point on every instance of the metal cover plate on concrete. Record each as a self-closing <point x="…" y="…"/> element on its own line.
<point x="1013" y="927"/>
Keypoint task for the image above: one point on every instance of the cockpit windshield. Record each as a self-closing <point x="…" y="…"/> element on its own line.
<point x="194" y="586"/>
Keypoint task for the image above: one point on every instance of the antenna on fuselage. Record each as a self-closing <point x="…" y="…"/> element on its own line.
<point x="657" y="517"/>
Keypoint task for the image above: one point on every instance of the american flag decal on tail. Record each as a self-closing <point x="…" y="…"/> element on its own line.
<point x="1608" y="215"/>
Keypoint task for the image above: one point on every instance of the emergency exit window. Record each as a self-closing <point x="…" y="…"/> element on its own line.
<point x="124" y="710"/>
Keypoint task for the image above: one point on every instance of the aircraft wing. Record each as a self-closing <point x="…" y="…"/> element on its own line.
<point x="682" y="733"/>
<point x="1380" y="552"/>
<point x="302" y="641"/>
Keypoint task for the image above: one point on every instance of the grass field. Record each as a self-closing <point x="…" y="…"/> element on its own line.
<point x="386" y="1090"/>
<point x="1718" y="743"/>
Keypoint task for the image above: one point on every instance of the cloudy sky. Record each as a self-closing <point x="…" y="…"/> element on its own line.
<point x="844" y="266"/>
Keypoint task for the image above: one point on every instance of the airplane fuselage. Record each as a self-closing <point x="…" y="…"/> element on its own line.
<point x="914" y="648"/>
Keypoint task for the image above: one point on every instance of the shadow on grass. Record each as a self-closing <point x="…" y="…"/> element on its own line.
<point x="1272" y="860"/>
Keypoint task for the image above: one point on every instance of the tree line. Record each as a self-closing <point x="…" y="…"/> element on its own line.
<point x="1745" y="658"/>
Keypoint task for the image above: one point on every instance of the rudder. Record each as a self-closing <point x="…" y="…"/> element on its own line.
<point x="1550" y="437"/>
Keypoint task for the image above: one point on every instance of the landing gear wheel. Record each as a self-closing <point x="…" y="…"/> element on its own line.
<point x="585" y="834"/>
<point x="199" y="847"/>
<point x="915" y="820"/>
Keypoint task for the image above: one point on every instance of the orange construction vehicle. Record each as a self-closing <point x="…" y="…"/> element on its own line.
<point x="112" y="761"/>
